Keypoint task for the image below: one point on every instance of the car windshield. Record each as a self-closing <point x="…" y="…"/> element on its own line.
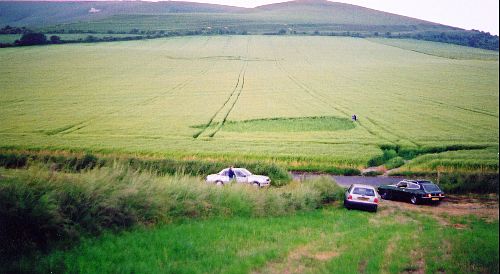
<point x="363" y="191"/>
<point x="401" y="184"/>
<point x="431" y="188"/>
<point x="245" y="172"/>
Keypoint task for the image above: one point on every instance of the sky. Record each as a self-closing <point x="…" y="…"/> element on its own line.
<point x="468" y="14"/>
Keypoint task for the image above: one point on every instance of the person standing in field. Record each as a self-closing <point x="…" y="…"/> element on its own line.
<point x="354" y="117"/>
<point x="230" y="173"/>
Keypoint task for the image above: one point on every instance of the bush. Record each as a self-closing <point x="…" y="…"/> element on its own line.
<point x="32" y="38"/>
<point x="54" y="39"/>
<point x="395" y="163"/>
<point x="347" y="171"/>
<point x="469" y="183"/>
<point x="13" y="160"/>
<point x="381" y="159"/>
<point x="373" y="173"/>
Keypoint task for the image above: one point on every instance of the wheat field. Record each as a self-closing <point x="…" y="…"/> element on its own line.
<point x="271" y="98"/>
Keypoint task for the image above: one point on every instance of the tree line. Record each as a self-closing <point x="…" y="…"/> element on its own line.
<point x="472" y="38"/>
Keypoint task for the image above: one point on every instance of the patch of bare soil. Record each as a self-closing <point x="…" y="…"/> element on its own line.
<point x="389" y="252"/>
<point x="362" y="266"/>
<point x="292" y="263"/>
<point x="486" y="208"/>
<point x="325" y="256"/>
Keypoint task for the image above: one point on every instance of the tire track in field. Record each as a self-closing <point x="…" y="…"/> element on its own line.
<point x="459" y="107"/>
<point x="75" y="127"/>
<point x="325" y="100"/>
<point x="207" y="125"/>
<point x="441" y="103"/>
<point x="232" y="106"/>
<point x="433" y="100"/>
<point x="377" y="125"/>
<point x="235" y="93"/>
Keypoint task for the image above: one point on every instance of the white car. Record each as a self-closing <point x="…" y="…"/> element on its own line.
<point x="241" y="176"/>
<point x="361" y="196"/>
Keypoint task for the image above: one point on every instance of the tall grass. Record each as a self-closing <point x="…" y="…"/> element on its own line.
<point x="41" y="209"/>
<point x="73" y="162"/>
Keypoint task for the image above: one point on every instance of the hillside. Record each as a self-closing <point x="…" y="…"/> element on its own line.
<point x="322" y="11"/>
<point x="43" y="13"/>
<point x="327" y="14"/>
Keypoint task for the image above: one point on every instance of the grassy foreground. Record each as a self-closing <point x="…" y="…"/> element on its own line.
<point x="117" y="219"/>
<point x="42" y="209"/>
<point x="330" y="240"/>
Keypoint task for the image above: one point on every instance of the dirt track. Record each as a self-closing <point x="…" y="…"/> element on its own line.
<point x="485" y="207"/>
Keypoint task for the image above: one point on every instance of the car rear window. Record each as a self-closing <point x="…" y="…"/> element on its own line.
<point x="363" y="191"/>
<point x="431" y="187"/>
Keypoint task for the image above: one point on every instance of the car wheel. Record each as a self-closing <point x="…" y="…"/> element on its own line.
<point x="346" y="205"/>
<point x="255" y="184"/>
<point x="385" y="195"/>
<point x="219" y="183"/>
<point x="414" y="200"/>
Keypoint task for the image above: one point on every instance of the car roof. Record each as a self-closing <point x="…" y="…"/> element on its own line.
<point x="236" y="168"/>
<point x="365" y="186"/>
<point x="418" y="182"/>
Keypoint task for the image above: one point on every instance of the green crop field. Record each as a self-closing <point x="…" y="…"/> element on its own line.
<point x="9" y="38"/>
<point x="270" y="98"/>
<point x="440" y="49"/>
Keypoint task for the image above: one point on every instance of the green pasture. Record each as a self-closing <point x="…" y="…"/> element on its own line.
<point x="246" y="97"/>
<point x="9" y="38"/>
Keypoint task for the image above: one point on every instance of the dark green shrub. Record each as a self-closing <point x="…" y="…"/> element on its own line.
<point x="373" y="173"/>
<point x="381" y="159"/>
<point x="13" y="160"/>
<point x="347" y="171"/>
<point x="395" y="163"/>
<point x="32" y="38"/>
<point x="329" y="190"/>
<point x="469" y="183"/>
